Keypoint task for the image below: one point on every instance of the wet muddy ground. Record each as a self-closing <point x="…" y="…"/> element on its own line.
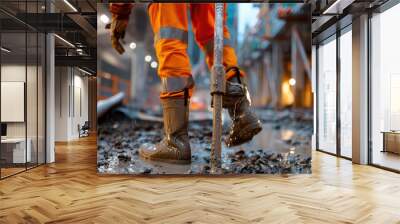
<point x="283" y="147"/>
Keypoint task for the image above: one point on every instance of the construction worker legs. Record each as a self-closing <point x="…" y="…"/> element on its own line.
<point x="169" y="23"/>
<point x="175" y="147"/>
<point x="203" y="17"/>
<point x="170" y="26"/>
<point x="245" y="123"/>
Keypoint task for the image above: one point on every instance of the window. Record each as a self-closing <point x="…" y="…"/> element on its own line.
<point x="385" y="89"/>
<point x="346" y="93"/>
<point x="327" y="96"/>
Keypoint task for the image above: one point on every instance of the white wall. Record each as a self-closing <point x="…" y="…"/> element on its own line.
<point x="71" y="94"/>
<point x="81" y="100"/>
<point x="61" y="103"/>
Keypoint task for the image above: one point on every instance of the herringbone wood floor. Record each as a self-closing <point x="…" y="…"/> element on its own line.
<point x="70" y="191"/>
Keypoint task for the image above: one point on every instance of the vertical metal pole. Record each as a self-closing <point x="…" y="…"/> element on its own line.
<point x="217" y="88"/>
<point x="338" y="97"/>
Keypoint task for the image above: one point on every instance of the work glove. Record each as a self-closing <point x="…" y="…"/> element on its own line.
<point x="117" y="31"/>
<point x="119" y="21"/>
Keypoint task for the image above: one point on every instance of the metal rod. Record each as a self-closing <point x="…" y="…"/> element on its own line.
<point x="218" y="34"/>
<point x="217" y="88"/>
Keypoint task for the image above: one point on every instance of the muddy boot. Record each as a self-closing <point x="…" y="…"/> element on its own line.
<point x="245" y="124"/>
<point x="175" y="147"/>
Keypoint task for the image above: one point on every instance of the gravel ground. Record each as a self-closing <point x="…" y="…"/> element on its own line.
<point x="283" y="147"/>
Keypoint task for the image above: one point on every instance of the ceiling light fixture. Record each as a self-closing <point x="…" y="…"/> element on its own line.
<point x="64" y="40"/>
<point x="5" y="50"/>
<point x="337" y="7"/>
<point x="84" y="71"/>
<point x="70" y="5"/>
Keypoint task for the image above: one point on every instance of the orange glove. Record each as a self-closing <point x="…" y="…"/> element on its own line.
<point x="119" y="22"/>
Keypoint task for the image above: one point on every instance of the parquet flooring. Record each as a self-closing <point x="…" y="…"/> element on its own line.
<point x="70" y="191"/>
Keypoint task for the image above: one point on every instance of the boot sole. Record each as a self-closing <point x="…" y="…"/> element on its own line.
<point x="246" y="134"/>
<point x="173" y="161"/>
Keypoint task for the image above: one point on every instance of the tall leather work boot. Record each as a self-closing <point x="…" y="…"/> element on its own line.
<point x="175" y="147"/>
<point x="245" y="124"/>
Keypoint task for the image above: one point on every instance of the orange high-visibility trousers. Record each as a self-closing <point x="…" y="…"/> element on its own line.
<point x="170" y="26"/>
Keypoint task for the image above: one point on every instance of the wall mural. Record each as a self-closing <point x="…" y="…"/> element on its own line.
<point x="155" y="110"/>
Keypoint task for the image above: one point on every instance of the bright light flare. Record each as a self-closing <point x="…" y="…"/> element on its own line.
<point x="147" y="58"/>
<point x="154" y="64"/>
<point x="292" y="81"/>
<point x="104" y="19"/>
<point x="133" y="46"/>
